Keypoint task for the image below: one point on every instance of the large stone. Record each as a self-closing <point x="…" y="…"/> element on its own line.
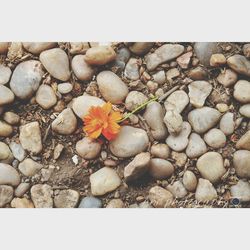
<point x="29" y="167"/>
<point x="196" y="146"/>
<point x="227" y="78"/>
<point x="227" y="123"/>
<point x="244" y="141"/>
<point x="241" y="162"/>
<point x="165" y="53"/>
<point x="8" y="175"/>
<point x="112" y="88"/>
<point x="242" y="91"/>
<point x="198" y="73"/>
<point x="104" y="180"/>
<point x="177" y="100"/>
<point x="215" y="138"/>
<point x="140" y="48"/>
<point x="56" y="62"/>
<point x="30" y="137"/>
<point x="26" y="78"/>
<point x="241" y="191"/>
<point x="205" y="191"/>
<point x="66" y="198"/>
<point x="134" y="99"/>
<point x="5" y="74"/>
<point x="245" y="110"/>
<point x="6" y="195"/>
<point x="41" y="195"/>
<point x="6" y="95"/>
<point x="240" y="64"/>
<point x="154" y="115"/>
<point x="5" y="129"/>
<point x="82" y="104"/>
<point x="129" y="142"/>
<point x="37" y="47"/>
<point x="211" y="167"/>
<point x="65" y="123"/>
<point x="160" y="168"/>
<point x="189" y="181"/>
<point x="46" y="97"/>
<point x="160" y="197"/>
<point x="202" y="119"/>
<point x="5" y="154"/>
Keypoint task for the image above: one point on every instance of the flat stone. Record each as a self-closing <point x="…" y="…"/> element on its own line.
<point x="6" y="95"/>
<point x="244" y="141"/>
<point x="189" y="181"/>
<point x="90" y="202"/>
<point x="129" y="142"/>
<point x="137" y="167"/>
<point x="67" y="198"/>
<point x="178" y="100"/>
<point x="198" y="92"/>
<point x="215" y="138"/>
<point x="103" y="181"/>
<point x="227" y="78"/>
<point x="241" y="191"/>
<point x="173" y="121"/>
<point x="179" y="142"/>
<point x="5" y="73"/>
<point x="177" y="189"/>
<point x="38" y="47"/>
<point x="242" y="91"/>
<point x="140" y="48"/>
<point x="17" y="151"/>
<point x="26" y="78"/>
<point x="112" y="88"/>
<point x="160" y="168"/>
<point x="46" y="97"/>
<point x="132" y="69"/>
<point x="56" y="62"/>
<point x="5" y="129"/>
<point x="165" y="53"/>
<point x="81" y="69"/>
<point x="30" y="137"/>
<point x="21" y="203"/>
<point x="65" y="88"/>
<point x="11" y="118"/>
<point x="8" y="175"/>
<point x="205" y="191"/>
<point x="65" y="123"/>
<point x="134" y="99"/>
<point x="82" y="104"/>
<point x="240" y="64"/>
<point x="210" y="166"/>
<point x="196" y="146"/>
<point x="160" y="197"/>
<point x="227" y="123"/>
<point x="6" y="195"/>
<point x="88" y="148"/>
<point x="29" y="167"/>
<point x="154" y="115"/>
<point x="41" y="195"/>
<point x="202" y="119"/>
<point x="160" y="150"/>
<point x="6" y="155"/>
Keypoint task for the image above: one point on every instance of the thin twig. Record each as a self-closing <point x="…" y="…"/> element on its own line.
<point x="145" y="124"/>
<point x="161" y="98"/>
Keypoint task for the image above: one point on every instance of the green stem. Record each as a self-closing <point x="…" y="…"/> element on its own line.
<point x="138" y="108"/>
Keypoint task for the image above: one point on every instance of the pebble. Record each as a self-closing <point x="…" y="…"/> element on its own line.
<point x="79" y="47"/>
<point x="11" y="118"/>
<point x="4" y="47"/>
<point x="5" y="73"/>
<point x="210" y="166"/>
<point x="5" y="129"/>
<point x="81" y="69"/>
<point x="57" y="151"/>
<point x="205" y="191"/>
<point x="21" y="203"/>
<point x="160" y="168"/>
<point x="244" y="141"/>
<point x="140" y="48"/>
<point x="90" y="202"/>
<point x="171" y="74"/>
<point x="222" y="107"/>
<point x="196" y="146"/>
<point x="56" y="62"/>
<point x="8" y="175"/>
<point x="65" y="123"/>
<point x="6" y="155"/>
<point x="202" y="119"/>
<point x="198" y="92"/>
<point x="246" y="50"/>
<point x="160" y="150"/>
<point x="123" y="55"/>
<point x="197" y="73"/>
<point x="173" y="121"/>
<point x="100" y="55"/>
<point x="227" y="123"/>
<point x="41" y="195"/>
<point x="65" y="88"/>
<point x="112" y="88"/>
<point x="15" y="51"/>
<point x="103" y="181"/>
<point x="6" y="95"/>
<point x="179" y="158"/>
<point x="160" y="197"/>
<point x="242" y="91"/>
<point x="132" y="69"/>
<point x="129" y="142"/>
<point x="17" y="151"/>
<point x="215" y="138"/>
<point x="145" y="204"/>
<point x="179" y="142"/>
<point x="241" y="162"/>
<point x="177" y="189"/>
<point x="189" y="181"/>
<point x="88" y="148"/>
<point x="115" y="203"/>
<point x="6" y="195"/>
<point x="137" y="167"/>
<point x="134" y="99"/>
<point x="66" y="199"/>
<point x="227" y="78"/>
<point x="159" y="77"/>
<point x="240" y="64"/>
<point x="37" y="48"/>
<point x="217" y="60"/>
<point x="241" y="191"/>
<point x="152" y="86"/>
<point x="21" y="189"/>
<point x="29" y="168"/>
<point x="163" y="54"/>
<point x="184" y="60"/>
<point x="82" y="104"/>
<point x="178" y="100"/>
<point x="26" y="78"/>
<point x="204" y="51"/>
<point x="154" y="115"/>
<point x="30" y="137"/>
<point x="46" y="97"/>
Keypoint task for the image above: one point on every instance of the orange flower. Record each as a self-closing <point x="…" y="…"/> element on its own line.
<point x="102" y="120"/>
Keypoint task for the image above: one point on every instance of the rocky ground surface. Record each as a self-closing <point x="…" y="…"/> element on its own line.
<point x="191" y="148"/>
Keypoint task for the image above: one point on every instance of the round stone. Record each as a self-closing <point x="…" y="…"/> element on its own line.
<point x="227" y="123"/>
<point x="178" y="100"/>
<point x="5" y="129"/>
<point x="217" y="60"/>
<point x="240" y="64"/>
<point x="65" y="88"/>
<point x="8" y="175"/>
<point x="115" y="203"/>
<point x="21" y="189"/>
<point x="160" y="168"/>
<point x="160" y="150"/>
<point x="241" y="162"/>
<point x="11" y="118"/>
<point x="90" y="202"/>
<point x="140" y="48"/>
<point x="17" y="151"/>
<point x="5" y="74"/>
<point x="6" y="195"/>
<point x="245" y="110"/>
<point x="227" y="78"/>
<point x="132" y="69"/>
<point x="21" y="203"/>
<point x="177" y="189"/>
<point x="66" y="199"/>
<point x="242" y="91"/>
<point x="46" y="97"/>
<point x="134" y="99"/>
<point x="29" y="167"/>
<point x="196" y="146"/>
<point x="173" y="121"/>
<point x="160" y="197"/>
<point x="205" y="191"/>
<point x="189" y="181"/>
<point x="6" y="95"/>
<point x="41" y="195"/>
<point x="215" y="138"/>
<point x="5" y="154"/>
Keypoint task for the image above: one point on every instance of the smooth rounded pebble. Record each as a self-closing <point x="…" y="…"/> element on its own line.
<point x="245" y="110"/>
<point x="46" y="97"/>
<point x="21" y="203"/>
<point x="160" y="197"/>
<point x="227" y="78"/>
<point x="41" y="195"/>
<point x="242" y="91"/>
<point x="177" y="101"/>
<point x="90" y="202"/>
<point x="65" y="88"/>
<point x="6" y="195"/>
<point x="29" y="167"/>
<point x="5" y="129"/>
<point x="205" y="191"/>
<point x="115" y="203"/>
<point x="6" y="155"/>
<point x="227" y="123"/>
<point x="173" y="121"/>
<point x="6" y="95"/>
<point x="66" y="199"/>
<point x="5" y="73"/>
<point x="160" y="168"/>
<point x="189" y="181"/>
<point x="177" y="189"/>
<point x="11" y="118"/>
<point x="196" y="146"/>
<point x="241" y="162"/>
<point x="134" y="99"/>
<point x="37" y="47"/>
<point x="241" y="191"/>
<point x="160" y="150"/>
<point x="244" y="141"/>
<point x="215" y="138"/>
<point x="8" y="175"/>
